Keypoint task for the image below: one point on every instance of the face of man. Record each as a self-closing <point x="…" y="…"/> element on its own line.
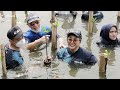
<point x="73" y="42"/>
<point x="16" y="40"/>
<point x="113" y="33"/>
<point x="35" y="25"/>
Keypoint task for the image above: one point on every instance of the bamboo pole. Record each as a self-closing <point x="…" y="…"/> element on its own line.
<point x="102" y="75"/>
<point x="26" y="14"/>
<point x="118" y="20"/>
<point x="14" y="18"/>
<point x="52" y="17"/>
<point x="90" y="22"/>
<point x="54" y="37"/>
<point x="4" y="71"/>
<point x="103" y="64"/>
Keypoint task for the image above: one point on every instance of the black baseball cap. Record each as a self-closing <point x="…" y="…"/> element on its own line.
<point x="14" y="32"/>
<point x="75" y="33"/>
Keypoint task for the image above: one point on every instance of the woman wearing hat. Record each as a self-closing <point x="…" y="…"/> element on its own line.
<point x="74" y="53"/>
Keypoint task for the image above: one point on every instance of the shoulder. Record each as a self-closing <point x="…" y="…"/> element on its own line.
<point x="28" y="33"/>
<point x="61" y="50"/>
<point x="85" y="52"/>
<point x="119" y="41"/>
<point x="61" y="53"/>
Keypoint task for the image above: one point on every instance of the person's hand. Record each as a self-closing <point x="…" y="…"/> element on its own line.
<point x="44" y="39"/>
<point x="62" y="46"/>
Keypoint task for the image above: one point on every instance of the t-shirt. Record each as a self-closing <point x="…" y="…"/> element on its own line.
<point x="13" y="58"/>
<point x="81" y="55"/>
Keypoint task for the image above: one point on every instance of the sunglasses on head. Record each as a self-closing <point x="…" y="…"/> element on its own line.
<point x="33" y="23"/>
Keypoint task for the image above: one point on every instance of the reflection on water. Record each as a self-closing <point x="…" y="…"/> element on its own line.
<point x="33" y="67"/>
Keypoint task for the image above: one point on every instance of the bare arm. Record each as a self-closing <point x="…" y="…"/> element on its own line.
<point x="33" y="45"/>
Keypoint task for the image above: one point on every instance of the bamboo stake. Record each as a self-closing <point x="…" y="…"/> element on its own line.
<point x="4" y="71"/>
<point x="90" y="22"/>
<point x="118" y="19"/>
<point x="14" y="18"/>
<point x="54" y="38"/>
<point x="26" y="14"/>
<point x="52" y="17"/>
<point x="102" y="75"/>
<point x="103" y="64"/>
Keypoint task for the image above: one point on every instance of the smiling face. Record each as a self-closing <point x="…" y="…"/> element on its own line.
<point x="73" y="43"/>
<point x="113" y="33"/>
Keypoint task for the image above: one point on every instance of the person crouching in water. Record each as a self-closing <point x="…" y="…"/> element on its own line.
<point x="74" y="53"/>
<point x="12" y="49"/>
<point x="108" y="36"/>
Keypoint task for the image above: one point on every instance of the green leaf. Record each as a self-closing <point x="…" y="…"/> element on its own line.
<point x="106" y="54"/>
<point x="94" y="20"/>
<point x="0" y="58"/>
<point x="57" y="23"/>
<point x="45" y="30"/>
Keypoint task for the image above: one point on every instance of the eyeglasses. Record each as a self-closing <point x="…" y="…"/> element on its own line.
<point x="74" y="40"/>
<point x="33" y="23"/>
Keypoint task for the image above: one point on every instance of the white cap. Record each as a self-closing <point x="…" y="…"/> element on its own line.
<point x="32" y="17"/>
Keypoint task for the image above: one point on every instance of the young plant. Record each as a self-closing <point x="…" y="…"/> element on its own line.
<point x="57" y="23"/>
<point x="106" y="54"/>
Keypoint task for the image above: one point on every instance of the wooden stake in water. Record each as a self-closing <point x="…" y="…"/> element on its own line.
<point x="118" y="20"/>
<point x="90" y="22"/>
<point x="103" y="64"/>
<point x="52" y="17"/>
<point x="26" y="14"/>
<point x="4" y="71"/>
<point x="54" y="37"/>
<point x="14" y="18"/>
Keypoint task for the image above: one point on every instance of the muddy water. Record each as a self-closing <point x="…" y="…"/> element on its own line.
<point x="33" y="66"/>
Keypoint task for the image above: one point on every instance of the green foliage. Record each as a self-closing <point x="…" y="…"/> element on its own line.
<point x="94" y="20"/>
<point x="57" y="23"/>
<point x="45" y="30"/>
<point x="106" y="54"/>
<point x="0" y="58"/>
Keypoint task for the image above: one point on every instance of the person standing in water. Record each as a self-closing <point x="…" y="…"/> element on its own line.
<point x="108" y="36"/>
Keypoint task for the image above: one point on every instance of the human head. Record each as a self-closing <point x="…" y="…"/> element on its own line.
<point x="33" y="21"/>
<point x="109" y="32"/>
<point x="15" y="35"/>
<point x="74" y="39"/>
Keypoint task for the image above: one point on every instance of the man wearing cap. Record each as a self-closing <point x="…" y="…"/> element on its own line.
<point x="38" y="31"/>
<point x="12" y="53"/>
<point x="12" y="49"/>
<point x="74" y="53"/>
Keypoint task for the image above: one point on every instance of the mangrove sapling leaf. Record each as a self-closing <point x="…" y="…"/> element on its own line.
<point x="106" y="54"/>
<point x="0" y="58"/>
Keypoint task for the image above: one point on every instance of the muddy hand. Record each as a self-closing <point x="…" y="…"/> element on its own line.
<point x="44" y="39"/>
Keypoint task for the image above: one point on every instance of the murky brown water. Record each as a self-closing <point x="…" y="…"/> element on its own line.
<point x="33" y="67"/>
